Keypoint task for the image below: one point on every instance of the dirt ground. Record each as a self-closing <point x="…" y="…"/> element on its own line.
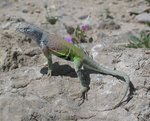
<point x="28" y="94"/>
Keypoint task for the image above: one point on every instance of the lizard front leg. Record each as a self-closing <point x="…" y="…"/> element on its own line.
<point x="49" y="60"/>
<point x="48" y="55"/>
<point x="85" y="86"/>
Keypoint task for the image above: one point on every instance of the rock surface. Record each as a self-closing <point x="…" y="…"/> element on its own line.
<point x="27" y="94"/>
<point x="143" y="18"/>
<point x="139" y="9"/>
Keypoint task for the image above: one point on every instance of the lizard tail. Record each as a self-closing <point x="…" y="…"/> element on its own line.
<point x="118" y="74"/>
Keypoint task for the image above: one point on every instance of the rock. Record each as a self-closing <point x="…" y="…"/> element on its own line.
<point x="25" y="94"/>
<point x="31" y="4"/>
<point x="139" y="9"/>
<point x="15" y="18"/>
<point x="6" y="25"/>
<point x="83" y="17"/>
<point x="3" y="55"/>
<point x="25" y="11"/>
<point x="69" y="29"/>
<point x="108" y="24"/>
<point x="143" y="18"/>
<point x="38" y="10"/>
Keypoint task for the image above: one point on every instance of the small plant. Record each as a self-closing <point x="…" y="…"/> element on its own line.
<point x="140" y="42"/>
<point x="78" y="34"/>
<point x="148" y="1"/>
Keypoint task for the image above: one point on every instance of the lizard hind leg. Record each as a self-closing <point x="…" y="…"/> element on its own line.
<point x="85" y="87"/>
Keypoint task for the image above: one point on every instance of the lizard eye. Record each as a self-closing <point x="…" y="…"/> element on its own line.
<point x="27" y="29"/>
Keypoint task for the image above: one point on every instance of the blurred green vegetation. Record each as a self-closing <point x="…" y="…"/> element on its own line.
<point x="140" y="42"/>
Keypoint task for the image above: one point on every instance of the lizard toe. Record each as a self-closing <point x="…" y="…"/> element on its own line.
<point x="49" y="73"/>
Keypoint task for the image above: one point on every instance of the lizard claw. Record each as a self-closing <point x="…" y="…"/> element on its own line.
<point x="82" y="95"/>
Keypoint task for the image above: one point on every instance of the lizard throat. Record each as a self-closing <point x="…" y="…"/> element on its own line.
<point x="42" y="41"/>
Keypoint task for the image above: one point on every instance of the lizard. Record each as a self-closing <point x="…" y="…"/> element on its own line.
<point x="53" y="44"/>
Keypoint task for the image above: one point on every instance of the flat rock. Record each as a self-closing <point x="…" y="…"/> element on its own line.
<point x="139" y="9"/>
<point x="143" y="18"/>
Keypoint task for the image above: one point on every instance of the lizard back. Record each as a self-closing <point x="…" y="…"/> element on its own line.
<point x="62" y="48"/>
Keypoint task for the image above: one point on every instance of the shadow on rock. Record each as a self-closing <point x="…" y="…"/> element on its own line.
<point x="60" y="70"/>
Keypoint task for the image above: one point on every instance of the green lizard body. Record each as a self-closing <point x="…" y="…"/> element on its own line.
<point x="53" y="44"/>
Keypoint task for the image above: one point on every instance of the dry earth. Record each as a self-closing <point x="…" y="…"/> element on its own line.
<point x="27" y="94"/>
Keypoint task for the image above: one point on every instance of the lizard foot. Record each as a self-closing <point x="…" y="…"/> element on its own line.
<point x="81" y="95"/>
<point x="49" y="72"/>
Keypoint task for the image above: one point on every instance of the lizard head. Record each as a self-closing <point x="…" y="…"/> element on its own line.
<point x="30" y="31"/>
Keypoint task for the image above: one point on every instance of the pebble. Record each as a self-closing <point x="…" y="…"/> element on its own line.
<point x="83" y="17"/>
<point x="30" y="4"/>
<point x="37" y="11"/>
<point x="25" y="11"/>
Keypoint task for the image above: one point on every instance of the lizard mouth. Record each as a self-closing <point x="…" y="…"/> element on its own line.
<point x="22" y="27"/>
